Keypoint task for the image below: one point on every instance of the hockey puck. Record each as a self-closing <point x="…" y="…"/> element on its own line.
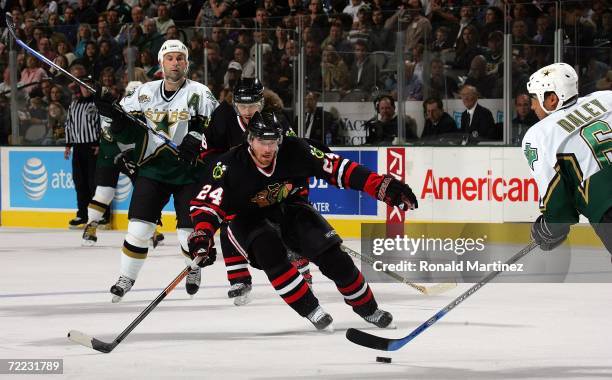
<point x="383" y="359"/>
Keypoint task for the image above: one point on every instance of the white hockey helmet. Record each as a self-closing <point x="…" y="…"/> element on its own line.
<point x="172" y="46"/>
<point x="559" y="78"/>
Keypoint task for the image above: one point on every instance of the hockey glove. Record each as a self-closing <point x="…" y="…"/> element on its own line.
<point x="549" y="235"/>
<point x="125" y="164"/>
<point x="396" y="193"/>
<point x="200" y="244"/>
<point x="190" y="147"/>
<point x="109" y="108"/>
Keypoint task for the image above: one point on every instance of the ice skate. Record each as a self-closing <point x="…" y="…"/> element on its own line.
<point x="241" y="293"/>
<point x="77" y="223"/>
<point x="89" y="235"/>
<point x="381" y="318"/>
<point x="192" y="282"/>
<point x="321" y="320"/>
<point x="104" y="224"/>
<point x="123" y="285"/>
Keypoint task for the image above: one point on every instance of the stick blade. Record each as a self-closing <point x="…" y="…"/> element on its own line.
<point x="439" y="288"/>
<point x="87" y="341"/>
<point x="368" y="340"/>
<point x="9" y="22"/>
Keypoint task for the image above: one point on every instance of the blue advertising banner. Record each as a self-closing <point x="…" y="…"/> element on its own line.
<point x="331" y="200"/>
<point x="42" y="179"/>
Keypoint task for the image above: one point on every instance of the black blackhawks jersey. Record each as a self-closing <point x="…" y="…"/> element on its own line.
<point x="235" y="185"/>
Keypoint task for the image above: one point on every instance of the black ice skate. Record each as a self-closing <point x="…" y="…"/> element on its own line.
<point x="123" y="285"/>
<point x="89" y="235"/>
<point x="192" y="282"/>
<point x="240" y="292"/>
<point x="321" y="320"/>
<point x="157" y="239"/>
<point x="104" y="224"/>
<point x="77" y="223"/>
<point x="381" y="318"/>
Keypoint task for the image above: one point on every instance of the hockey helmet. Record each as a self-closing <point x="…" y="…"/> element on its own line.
<point x="265" y="127"/>
<point x="559" y="78"/>
<point x="172" y="46"/>
<point x="248" y="91"/>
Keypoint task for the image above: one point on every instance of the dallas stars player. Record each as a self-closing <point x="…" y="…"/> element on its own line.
<point x="569" y="152"/>
<point x="178" y="108"/>
<point x="113" y="158"/>
<point x="257" y="182"/>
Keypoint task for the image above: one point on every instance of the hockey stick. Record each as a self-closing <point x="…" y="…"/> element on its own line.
<point x="11" y="27"/>
<point x="386" y="344"/>
<point x="98" y="345"/>
<point x="428" y="290"/>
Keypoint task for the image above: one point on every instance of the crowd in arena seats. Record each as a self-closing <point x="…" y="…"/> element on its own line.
<point x="353" y="49"/>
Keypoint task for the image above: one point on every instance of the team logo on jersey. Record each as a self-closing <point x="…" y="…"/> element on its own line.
<point x="219" y="170"/>
<point x="316" y="152"/>
<point x="531" y="154"/>
<point x="274" y="193"/>
<point x="144" y="99"/>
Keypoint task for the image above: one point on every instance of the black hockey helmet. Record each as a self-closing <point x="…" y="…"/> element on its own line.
<point x="265" y="127"/>
<point x="248" y="90"/>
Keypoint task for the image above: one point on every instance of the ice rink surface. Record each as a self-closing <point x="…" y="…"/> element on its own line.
<point x="49" y="284"/>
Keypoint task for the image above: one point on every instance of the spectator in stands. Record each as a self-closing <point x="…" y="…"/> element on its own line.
<point x="233" y="73"/>
<point x="153" y="40"/>
<point x="148" y="8"/>
<point x="336" y="39"/>
<point x="363" y="74"/>
<point x="319" y="125"/>
<point x="418" y="29"/>
<point x="525" y="118"/>
<point x="105" y="58"/>
<point x="150" y="64"/>
<point x="57" y="95"/>
<point x="280" y="40"/>
<point x="382" y="129"/>
<point x="478" y="77"/>
<point x="56" y="118"/>
<point x="494" y="21"/>
<point x="85" y="35"/>
<point x="32" y="73"/>
<point x="413" y="87"/>
<point x="260" y="37"/>
<point x="317" y="18"/>
<point x="353" y="7"/>
<point x="56" y="75"/>
<point x="467" y="19"/>
<point x="545" y="35"/>
<point x="437" y="122"/>
<point x="216" y="67"/>
<point x="334" y="71"/>
<point x="467" y="48"/>
<point x="524" y="12"/>
<point x="440" y="85"/>
<point x="381" y="36"/>
<point x="440" y="15"/>
<point x="114" y="22"/>
<point x="578" y="36"/>
<point x="476" y="121"/>
<point x="442" y="41"/>
<point x="313" y="79"/>
<point x="130" y="53"/>
<point x="45" y="48"/>
<point x="225" y="46"/>
<point x="495" y="54"/>
<point x="360" y="29"/>
<point x="64" y="48"/>
<point x="520" y="33"/>
<point x="84" y="13"/>
<point x="603" y="36"/>
<point x="163" y="20"/>
<point x="241" y="55"/>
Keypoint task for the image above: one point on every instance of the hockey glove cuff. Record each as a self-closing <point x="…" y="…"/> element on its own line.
<point x="190" y="147"/>
<point x="125" y="164"/>
<point x="200" y="244"/>
<point x="549" y="235"/>
<point x="396" y="193"/>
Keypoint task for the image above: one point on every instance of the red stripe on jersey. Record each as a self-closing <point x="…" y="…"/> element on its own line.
<point x="244" y="273"/>
<point x="218" y="210"/>
<point x="352" y="287"/>
<point x="347" y="174"/>
<point x="372" y="184"/>
<point x="284" y="277"/>
<point x="297" y="295"/>
<point x="205" y="226"/>
<point x="234" y="259"/>
<point x="360" y="302"/>
<point x="208" y="152"/>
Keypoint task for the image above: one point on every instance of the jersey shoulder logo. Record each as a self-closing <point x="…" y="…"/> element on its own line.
<point x="531" y="154"/>
<point x="144" y="98"/>
<point x="219" y="170"/>
<point x="316" y="152"/>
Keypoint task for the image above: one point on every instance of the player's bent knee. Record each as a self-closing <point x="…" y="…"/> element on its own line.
<point x="139" y="233"/>
<point x="104" y="194"/>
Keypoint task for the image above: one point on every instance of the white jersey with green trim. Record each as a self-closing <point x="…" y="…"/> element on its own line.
<point x="168" y="115"/>
<point x="581" y="133"/>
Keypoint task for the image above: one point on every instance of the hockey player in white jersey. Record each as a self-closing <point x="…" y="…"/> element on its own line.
<point x="569" y="152"/>
<point x="178" y="108"/>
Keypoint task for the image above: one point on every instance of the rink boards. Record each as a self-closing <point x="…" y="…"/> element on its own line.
<point x="452" y="184"/>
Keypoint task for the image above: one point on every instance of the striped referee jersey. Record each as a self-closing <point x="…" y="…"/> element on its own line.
<point x="82" y="122"/>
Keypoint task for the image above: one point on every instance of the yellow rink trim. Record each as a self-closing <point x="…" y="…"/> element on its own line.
<point x="497" y="232"/>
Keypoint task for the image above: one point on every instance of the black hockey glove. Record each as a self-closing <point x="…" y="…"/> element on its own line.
<point x="198" y="123"/>
<point x="109" y="108"/>
<point x="549" y="235"/>
<point x="125" y="164"/>
<point x="190" y="147"/>
<point x="200" y="244"/>
<point x="396" y="193"/>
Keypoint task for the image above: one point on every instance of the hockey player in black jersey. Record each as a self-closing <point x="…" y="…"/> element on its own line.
<point x="257" y="182"/>
<point x="227" y="129"/>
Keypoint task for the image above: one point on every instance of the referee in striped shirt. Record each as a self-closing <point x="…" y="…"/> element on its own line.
<point x="82" y="136"/>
